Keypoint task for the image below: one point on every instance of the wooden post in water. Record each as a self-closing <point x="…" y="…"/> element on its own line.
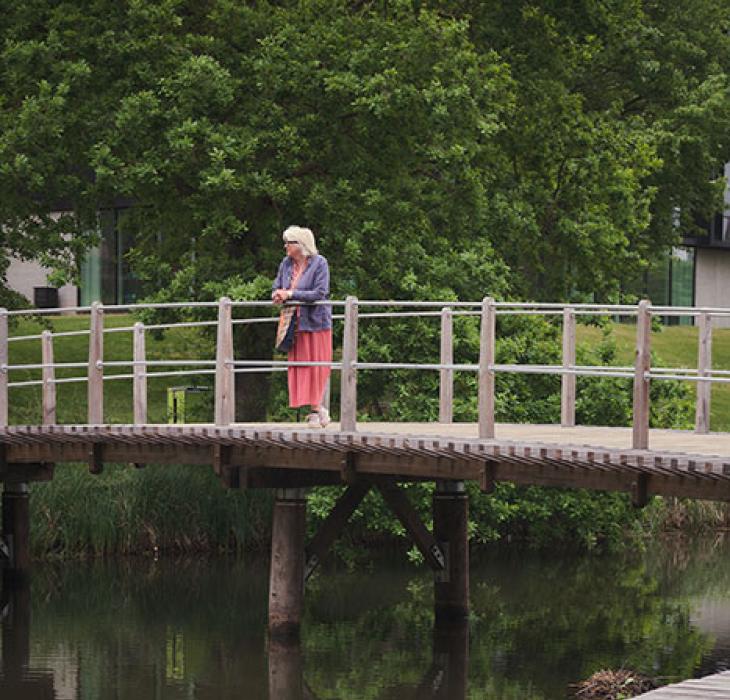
<point x="704" y="365"/>
<point x="96" y="369"/>
<point x="139" y="386"/>
<point x="225" y="405"/>
<point x="450" y="521"/>
<point x="348" y="375"/>
<point x="286" y="671"/>
<point x="642" y="365"/>
<point x="16" y="527"/>
<point x="15" y="606"/>
<point x="487" y="340"/>
<point x="567" y="398"/>
<point x="446" y="386"/>
<point x="49" y="379"/>
<point x="3" y="367"/>
<point x="451" y="659"/>
<point x="286" y="578"/>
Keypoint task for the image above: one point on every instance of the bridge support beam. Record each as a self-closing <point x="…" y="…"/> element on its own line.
<point x="286" y="579"/>
<point x="450" y="521"/>
<point x="16" y="529"/>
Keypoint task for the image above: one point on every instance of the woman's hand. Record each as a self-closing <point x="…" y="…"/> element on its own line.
<point x="280" y="296"/>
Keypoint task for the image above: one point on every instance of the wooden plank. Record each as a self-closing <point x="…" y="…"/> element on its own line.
<point x="224" y="370"/>
<point x="714" y="686"/>
<point x="567" y="396"/>
<point x="3" y="367"/>
<point x="330" y="529"/>
<point x="348" y="375"/>
<point x="487" y="342"/>
<point x="704" y="365"/>
<point x="642" y="364"/>
<point x="139" y="384"/>
<point x="446" y="376"/>
<point x="95" y="395"/>
<point x="398" y="502"/>
<point x="48" y="401"/>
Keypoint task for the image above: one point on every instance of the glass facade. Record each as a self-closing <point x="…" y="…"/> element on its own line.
<point x="670" y="282"/>
<point x="105" y="273"/>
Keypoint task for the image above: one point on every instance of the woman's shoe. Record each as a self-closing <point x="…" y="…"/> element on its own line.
<point x="324" y="417"/>
<point x="313" y="421"/>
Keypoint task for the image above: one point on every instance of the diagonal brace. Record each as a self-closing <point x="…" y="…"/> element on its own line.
<point x="398" y="502"/>
<point x="332" y="526"/>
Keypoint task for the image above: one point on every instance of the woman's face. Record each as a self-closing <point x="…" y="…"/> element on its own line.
<point x="293" y="249"/>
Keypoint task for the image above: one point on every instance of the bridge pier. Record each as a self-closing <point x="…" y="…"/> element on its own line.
<point x="286" y="578"/>
<point x="16" y="529"/>
<point x="450" y="522"/>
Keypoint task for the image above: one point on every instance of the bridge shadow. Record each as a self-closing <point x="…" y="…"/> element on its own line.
<point x="445" y="679"/>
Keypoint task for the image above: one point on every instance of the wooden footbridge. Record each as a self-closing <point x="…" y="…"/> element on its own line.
<point x="291" y="458"/>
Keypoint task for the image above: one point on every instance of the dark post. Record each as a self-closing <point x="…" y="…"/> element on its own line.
<point x="16" y="527"/>
<point x="450" y="519"/>
<point x="286" y="580"/>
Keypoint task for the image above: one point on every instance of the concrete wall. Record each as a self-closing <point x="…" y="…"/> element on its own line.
<point x="712" y="280"/>
<point x="23" y="275"/>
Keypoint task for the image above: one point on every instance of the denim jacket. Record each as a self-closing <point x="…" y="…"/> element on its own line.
<point x="313" y="285"/>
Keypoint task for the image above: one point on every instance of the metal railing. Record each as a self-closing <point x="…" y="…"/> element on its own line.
<point x="225" y="366"/>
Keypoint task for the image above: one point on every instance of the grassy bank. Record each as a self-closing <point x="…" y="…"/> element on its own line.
<point x="677" y="346"/>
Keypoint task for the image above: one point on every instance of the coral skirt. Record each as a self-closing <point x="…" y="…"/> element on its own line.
<point x="307" y="384"/>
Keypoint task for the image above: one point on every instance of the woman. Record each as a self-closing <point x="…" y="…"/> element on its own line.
<point x="304" y="276"/>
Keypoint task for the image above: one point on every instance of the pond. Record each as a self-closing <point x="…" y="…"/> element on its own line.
<point x="196" y="629"/>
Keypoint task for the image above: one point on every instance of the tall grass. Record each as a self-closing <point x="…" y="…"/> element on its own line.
<point x="131" y="511"/>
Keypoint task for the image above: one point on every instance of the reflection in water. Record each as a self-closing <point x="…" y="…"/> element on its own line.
<point x="198" y="629"/>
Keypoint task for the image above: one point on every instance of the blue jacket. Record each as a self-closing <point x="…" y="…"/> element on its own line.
<point x="313" y="285"/>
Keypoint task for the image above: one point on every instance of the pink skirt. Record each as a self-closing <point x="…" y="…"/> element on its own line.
<point x="307" y="384"/>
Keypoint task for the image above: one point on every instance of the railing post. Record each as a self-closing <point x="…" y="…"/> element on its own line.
<point x="487" y="341"/>
<point x="225" y="406"/>
<point x="642" y="365"/>
<point x="49" y="379"/>
<point x="3" y="368"/>
<point x="446" y="386"/>
<point x="567" y="398"/>
<point x="139" y="385"/>
<point x="348" y="375"/>
<point x="704" y="365"/>
<point x="96" y="369"/>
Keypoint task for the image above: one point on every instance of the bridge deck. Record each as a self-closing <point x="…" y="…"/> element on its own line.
<point x="715" y="687"/>
<point x="681" y="463"/>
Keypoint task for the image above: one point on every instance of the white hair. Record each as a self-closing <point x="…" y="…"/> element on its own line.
<point x="304" y="237"/>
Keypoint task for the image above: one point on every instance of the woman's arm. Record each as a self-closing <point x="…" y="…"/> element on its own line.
<point x="320" y="286"/>
<point x="278" y="282"/>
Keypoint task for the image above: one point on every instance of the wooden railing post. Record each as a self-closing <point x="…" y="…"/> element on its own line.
<point x="225" y="406"/>
<point x="3" y="368"/>
<point x="642" y="365"/>
<point x="567" y="398"/>
<point x="139" y="384"/>
<point x="96" y="369"/>
<point x="487" y="341"/>
<point x="704" y="365"/>
<point x="49" y="379"/>
<point x="446" y="386"/>
<point x="348" y="375"/>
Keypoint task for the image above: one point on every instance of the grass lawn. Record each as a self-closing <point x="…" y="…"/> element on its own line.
<point x="177" y="344"/>
<point x="676" y="346"/>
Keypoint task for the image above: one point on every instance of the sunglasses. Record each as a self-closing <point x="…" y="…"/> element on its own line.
<point x="291" y="242"/>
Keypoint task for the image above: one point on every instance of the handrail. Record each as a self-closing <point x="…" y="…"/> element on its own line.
<point x="225" y="366"/>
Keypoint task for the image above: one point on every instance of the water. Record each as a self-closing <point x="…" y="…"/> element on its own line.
<point x="197" y="629"/>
